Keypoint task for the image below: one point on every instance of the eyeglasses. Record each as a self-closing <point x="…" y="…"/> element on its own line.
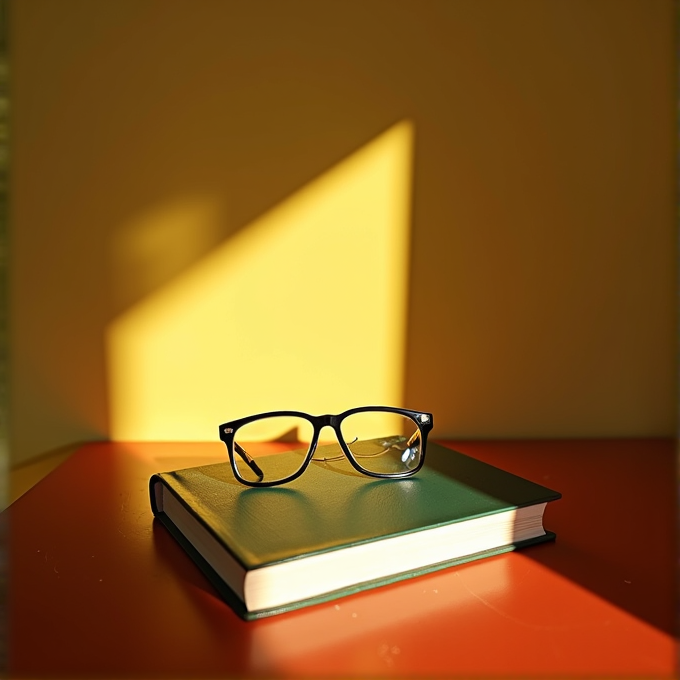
<point x="379" y="441"/>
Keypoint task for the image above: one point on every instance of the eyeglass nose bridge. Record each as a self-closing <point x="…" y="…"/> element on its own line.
<point x="329" y="420"/>
<point x="334" y="423"/>
<point x="320" y="453"/>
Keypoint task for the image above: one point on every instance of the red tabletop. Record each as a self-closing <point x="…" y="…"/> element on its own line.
<point x="98" y="590"/>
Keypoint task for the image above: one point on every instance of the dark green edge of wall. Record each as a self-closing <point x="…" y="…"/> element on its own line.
<point x="4" y="312"/>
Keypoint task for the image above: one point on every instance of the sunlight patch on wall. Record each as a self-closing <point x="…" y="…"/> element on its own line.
<point x="305" y="308"/>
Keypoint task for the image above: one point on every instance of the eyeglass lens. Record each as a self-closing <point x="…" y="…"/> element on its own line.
<point x="382" y="442"/>
<point x="292" y="435"/>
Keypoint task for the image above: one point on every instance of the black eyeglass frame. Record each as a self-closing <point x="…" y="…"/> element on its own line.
<point x="227" y="431"/>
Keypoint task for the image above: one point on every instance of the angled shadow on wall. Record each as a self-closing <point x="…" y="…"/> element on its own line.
<point x="303" y="308"/>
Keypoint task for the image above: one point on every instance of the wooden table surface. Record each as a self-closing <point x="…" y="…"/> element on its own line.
<point x="98" y="590"/>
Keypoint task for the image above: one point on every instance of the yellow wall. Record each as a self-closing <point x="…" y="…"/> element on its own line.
<point x="147" y="135"/>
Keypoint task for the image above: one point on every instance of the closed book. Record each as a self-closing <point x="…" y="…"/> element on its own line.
<point x="333" y="531"/>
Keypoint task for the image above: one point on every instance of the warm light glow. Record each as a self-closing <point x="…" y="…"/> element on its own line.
<point x="281" y="640"/>
<point x="305" y="308"/>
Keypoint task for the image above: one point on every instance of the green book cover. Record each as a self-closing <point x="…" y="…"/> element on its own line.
<point x="331" y="508"/>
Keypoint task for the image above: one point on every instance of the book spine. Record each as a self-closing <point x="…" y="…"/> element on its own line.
<point x="156" y="494"/>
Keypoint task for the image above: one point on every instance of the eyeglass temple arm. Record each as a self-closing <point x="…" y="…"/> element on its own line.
<point x="412" y="440"/>
<point x="249" y="461"/>
<point x="329" y="448"/>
